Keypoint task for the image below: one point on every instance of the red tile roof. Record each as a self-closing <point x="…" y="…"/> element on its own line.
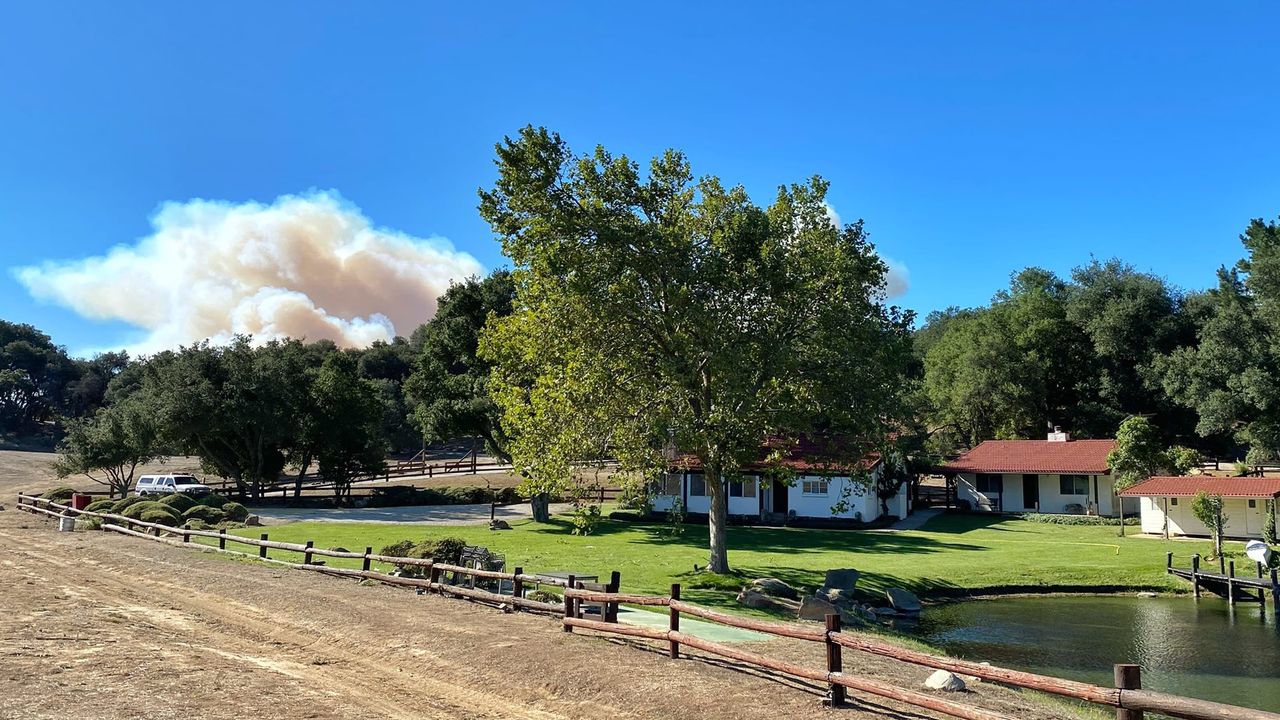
<point x="802" y="455"/>
<point x="1188" y="486"/>
<point x="1085" y="457"/>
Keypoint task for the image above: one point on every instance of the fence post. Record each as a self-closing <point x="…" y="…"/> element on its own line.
<point x="1231" y="583"/>
<point x="1168" y="561"/>
<point x="517" y="588"/>
<point x="568" y="603"/>
<point x="1195" y="575"/>
<point x="611" y="608"/>
<point x="674" y="651"/>
<point x="1275" y="594"/>
<point x="186" y="537"/>
<point x="1128" y="677"/>
<point x="306" y="554"/>
<point x="835" y="691"/>
<point x="1222" y="565"/>
<point x="222" y="538"/>
<point x="262" y="551"/>
<point x="365" y="564"/>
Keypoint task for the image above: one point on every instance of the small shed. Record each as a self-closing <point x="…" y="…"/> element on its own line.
<point x="1165" y="504"/>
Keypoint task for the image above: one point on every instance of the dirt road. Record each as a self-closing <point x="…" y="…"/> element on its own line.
<point x="103" y="626"/>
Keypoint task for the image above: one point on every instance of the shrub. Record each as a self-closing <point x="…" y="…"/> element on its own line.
<point x="213" y="500"/>
<point x="178" y="501"/>
<point x="235" y="512"/>
<point x="544" y="596"/>
<point x="88" y="523"/>
<point x="397" y="549"/>
<point x="126" y="503"/>
<point x="60" y="495"/>
<point x="400" y="495"/>
<point x="443" y="550"/>
<point x="585" y="519"/>
<point x="1269" y="524"/>
<point x="196" y="524"/>
<point x="159" y="516"/>
<point x="101" y="506"/>
<point x="1052" y="519"/>
<point x="204" y="512"/>
<point x="135" y="511"/>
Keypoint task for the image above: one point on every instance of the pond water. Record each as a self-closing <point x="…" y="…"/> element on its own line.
<point x="1199" y="648"/>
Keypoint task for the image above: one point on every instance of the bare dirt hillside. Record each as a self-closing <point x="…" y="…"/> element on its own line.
<point x="105" y="626"/>
<point x="33" y="472"/>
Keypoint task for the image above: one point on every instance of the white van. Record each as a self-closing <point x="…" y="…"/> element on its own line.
<point x="166" y="484"/>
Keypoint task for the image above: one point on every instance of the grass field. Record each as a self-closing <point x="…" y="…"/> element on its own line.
<point x="952" y="555"/>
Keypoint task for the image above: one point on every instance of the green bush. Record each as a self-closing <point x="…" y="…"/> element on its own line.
<point x="585" y="519"/>
<point x="213" y="500"/>
<point x="196" y="524"/>
<point x="60" y="495"/>
<point x="101" y="506"/>
<point x="1053" y="519"/>
<point x="444" y="550"/>
<point x="208" y="514"/>
<point x="178" y="501"/>
<point x="545" y="596"/>
<point x="126" y="503"/>
<point x="159" y="516"/>
<point x="399" y="496"/>
<point x="88" y="523"/>
<point x="135" y="511"/>
<point x="397" y="549"/>
<point x="235" y="512"/>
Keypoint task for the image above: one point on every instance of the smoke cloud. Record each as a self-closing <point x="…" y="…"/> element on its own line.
<point x="897" y="281"/>
<point x="306" y="266"/>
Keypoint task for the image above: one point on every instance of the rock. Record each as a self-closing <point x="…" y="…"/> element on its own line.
<point x="774" y="588"/>
<point x="837" y="596"/>
<point x="903" y="601"/>
<point x="339" y="548"/>
<point x="499" y="525"/>
<point x="1147" y="594"/>
<point x="943" y="680"/>
<point x="843" y="579"/>
<point x="253" y="521"/>
<point x="815" y="608"/>
<point x="885" y="611"/>
<point x="752" y="599"/>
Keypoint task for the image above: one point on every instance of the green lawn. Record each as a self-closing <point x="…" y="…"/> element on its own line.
<point x="951" y="555"/>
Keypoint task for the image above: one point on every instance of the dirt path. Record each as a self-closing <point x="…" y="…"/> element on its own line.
<point x="104" y="626"/>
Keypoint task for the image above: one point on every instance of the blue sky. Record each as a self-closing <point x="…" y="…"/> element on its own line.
<point x="974" y="138"/>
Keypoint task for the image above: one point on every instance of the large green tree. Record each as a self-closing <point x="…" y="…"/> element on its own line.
<point x="108" y="447"/>
<point x="655" y="309"/>
<point x="449" y="387"/>
<point x="345" y="423"/>
<point x="33" y="373"/>
<point x="1231" y="378"/>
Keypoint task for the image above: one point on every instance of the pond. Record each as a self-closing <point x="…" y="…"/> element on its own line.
<point x="1199" y="648"/>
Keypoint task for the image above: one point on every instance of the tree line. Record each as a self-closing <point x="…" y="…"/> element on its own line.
<point x="653" y="315"/>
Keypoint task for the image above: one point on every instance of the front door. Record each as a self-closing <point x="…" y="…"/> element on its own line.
<point x="780" y="497"/>
<point x="1030" y="492"/>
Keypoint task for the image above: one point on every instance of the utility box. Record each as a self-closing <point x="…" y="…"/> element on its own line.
<point x="80" y="501"/>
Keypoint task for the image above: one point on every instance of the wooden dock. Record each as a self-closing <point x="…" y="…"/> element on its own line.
<point x="1225" y="582"/>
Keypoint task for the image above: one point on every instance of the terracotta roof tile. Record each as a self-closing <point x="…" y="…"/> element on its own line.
<point x="1088" y="457"/>
<point x="1188" y="486"/>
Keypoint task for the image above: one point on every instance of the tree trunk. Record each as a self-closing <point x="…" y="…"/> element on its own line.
<point x="540" y="504"/>
<point x="718" y="522"/>
<point x="302" y="474"/>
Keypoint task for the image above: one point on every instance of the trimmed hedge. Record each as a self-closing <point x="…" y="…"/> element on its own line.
<point x="102" y="506"/>
<point x="178" y="501"/>
<point x="60" y="495"/>
<point x="125" y="503"/>
<point x="1054" y="519"/>
<point x="443" y="550"/>
<point x="208" y="514"/>
<point x="235" y="512"/>
<point x="137" y="510"/>
<point x="213" y="500"/>
<point x="160" y="517"/>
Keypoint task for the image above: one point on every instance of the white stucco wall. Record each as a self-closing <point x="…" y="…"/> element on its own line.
<point x="1051" y="498"/>
<point x="1242" y="520"/>
<point x="861" y="502"/>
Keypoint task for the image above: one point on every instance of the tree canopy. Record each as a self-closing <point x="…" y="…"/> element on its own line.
<point x="655" y="308"/>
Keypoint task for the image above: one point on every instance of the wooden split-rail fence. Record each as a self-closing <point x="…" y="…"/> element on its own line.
<point x="1128" y="698"/>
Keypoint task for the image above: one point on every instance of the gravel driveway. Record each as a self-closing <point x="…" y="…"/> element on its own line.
<point x="413" y="514"/>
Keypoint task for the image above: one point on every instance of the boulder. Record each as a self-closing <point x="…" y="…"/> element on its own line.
<point x="774" y="588"/>
<point x="843" y="579"/>
<point x="753" y="599"/>
<point x="253" y="521"/>
<point x="815" y="608"/>
<point x="885" y="612"/>
<point x="499" y="525"/>
<point x="943" y="680"/>
<point x="903" y="601"/>
<point x="837" y="596"/>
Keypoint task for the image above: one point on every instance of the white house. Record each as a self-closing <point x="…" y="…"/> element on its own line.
<point x="1056" y="475"/>
<point x="1165" y="504"/>
<point x="819" y="491"/>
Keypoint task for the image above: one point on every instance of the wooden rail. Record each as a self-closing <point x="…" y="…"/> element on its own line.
<point x="1233" y="587"/>
<point x="1128" y="698"/>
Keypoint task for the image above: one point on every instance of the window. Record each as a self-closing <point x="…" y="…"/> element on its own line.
<point x="667" y="486"/>
<point x="697" y="486"/>
<point x="744" y="488"/>
<point x="815" y="486"/>
<point x="1073" y="484"/>
<point x="989" y="483"/>
<point x="1253" y="503"/>
<point x="1173" y="501"/>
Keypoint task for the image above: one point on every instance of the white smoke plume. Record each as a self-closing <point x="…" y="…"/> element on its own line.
<point x="897" y="281"/>
<point x="306" y="266"/>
